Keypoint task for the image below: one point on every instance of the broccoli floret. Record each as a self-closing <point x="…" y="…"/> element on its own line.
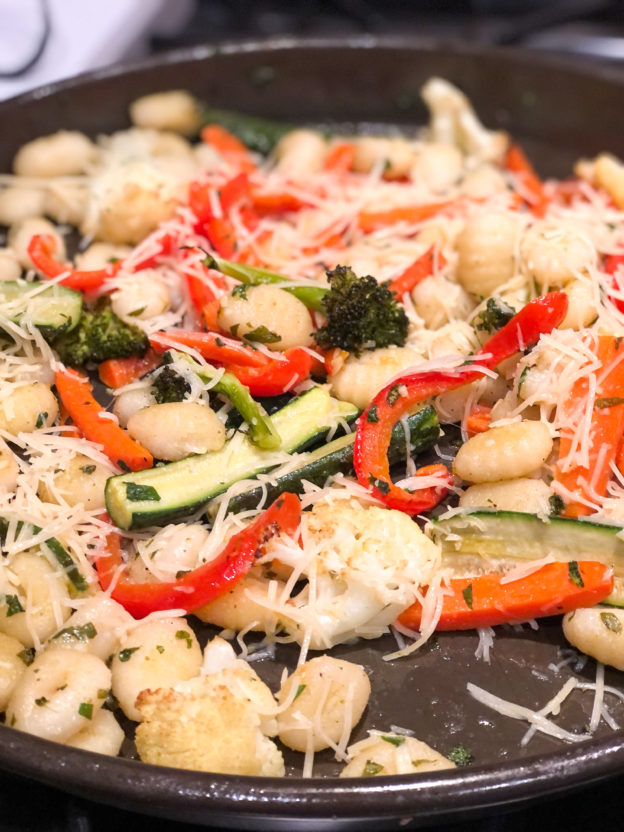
<point x="100" y="334"/>
<point x="460" y="756"/>
<point x="361" y="314"/>
<point x="169" y="386"/>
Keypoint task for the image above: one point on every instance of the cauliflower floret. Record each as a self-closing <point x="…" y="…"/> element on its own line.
<point x="209" y="729"/>
<point x="364" y="566"/>
<point x="383" y="754"/>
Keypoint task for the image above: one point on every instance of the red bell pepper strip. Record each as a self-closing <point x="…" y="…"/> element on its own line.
<point x="221" y="235"/>
<point x="614" y="265"/>
<point x="94" y="423"/>
<point x="340" y="158"/>
<point x="374" y="429"/>
<point x="372" y="220"/>
<point x="212" y="347"/>
<point x="166" y="242"/>
<point x="233" y="191"/>
<point x="276" y="203"/>
<point x="207" y="582"/>
<point x="40" y="250"/>
<point x="485" y="601"/>
<point x="478" y="420"/>
<point x="419" y="270"/>
<point x="278" y="375"/>
<point x="517" y="162"/>
<point x="605" y="433"/>
<point x="117" y="372"/>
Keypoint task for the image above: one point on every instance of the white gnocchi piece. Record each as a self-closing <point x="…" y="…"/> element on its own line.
<point x="362" y="377"/>
<point x="103" y="735"/>
<point x="10" y="268"/>
<point x="82" y="481"/>
<point x="18" y="203"/>
<point x="173" y="549"/>
<point x="31" y="583"/>
<point x="266" y="307"/>
<point x="554" y="253"/>
<point x="521" y="494"/>
<point x="130" y="212"/>
<point x="598" y="632"/>
<point x="237" y="609"/>
<point x="380" y="755"/>
<point x="12" y="666"/>
<point x="65" y="153"/>
<point x="21" y="234"/>
<point x="131" y="401"/>
<point x="301" y="152"/>
<point x="97" y="626"/>
<point x="175" y="430"/>
<point x="66" y="203"/>
<point x="437" y="166"/>
<point x="504" y="453"/>
<point x="101" y="255"/>
<point x="28" y="407"/>
<point x="582" y="309"/>
<point x="486" y="250"/>
<point x="483" y="182"/>
<point x="396" y="155"/>
<point x="608" y="173"/>
<point x="58" y="694"/>
<point x="328" y="699"/>
<point x="155" y="654"/>
<point x="175" y="110"/>
<point x="9" y="469"/>
<point x="439" y="300"/>
<point x="141" y="297"/>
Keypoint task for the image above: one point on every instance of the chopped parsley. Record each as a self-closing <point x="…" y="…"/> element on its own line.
<point x="371" y="768"/>
<point x="88" y="469"/>
<point x="240" y="291"/>
<point x="556" y="504"/>
<point x="608" y="402"/>
<point x="611" y="622"/>
<point x="184" y="634"/>
<point x="467" y="593"/>
<point x="85" y="709"/>
<point x="13" y="605"/>
<point x="125" y="655"/>
<point x="460" y="756"/>
<point x="27" y="655"/>
<point x="80" y="633"/>
<point x="372" y="416"/>
<point x="396" y="741"/>
<point x="41" y="701"/>
<point x="136" y="493"/>
<point x="300" y="690"/>
<point x="495" y="315"/>
<point x="263" y="335"/>
<point x="393" y="394"/>
<point x="575" y="574"/>
<point x="41" y="418"/>
<point x="381" y="485"/>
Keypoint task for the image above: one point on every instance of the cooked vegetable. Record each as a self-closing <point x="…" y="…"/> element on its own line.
<point x="96" y="424"/>
<point x="169" y="386"/>
<point x="100" y="335"/>
<point x="419" y="270"/>
<point x="54" y="310"/>
<point x="197" y="587"/>
<point x="117" y="372"/>
<point x="42" y="247"/>
<point x="256" y="133"/>
<point x="174" y="491"/>
<point x="361" y="314"/>
<point x="487" y="600"/>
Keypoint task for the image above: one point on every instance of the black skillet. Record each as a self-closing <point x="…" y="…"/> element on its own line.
<point x="558" y="112"/>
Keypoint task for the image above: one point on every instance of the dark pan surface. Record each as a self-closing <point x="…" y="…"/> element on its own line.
<point x="558" y="112"/>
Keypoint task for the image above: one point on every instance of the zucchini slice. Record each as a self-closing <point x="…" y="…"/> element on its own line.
<point x="170" y="492"/>
<point x="53" y="309"/>
<point x="516" y="536"/>
<point x="337" y="457"/>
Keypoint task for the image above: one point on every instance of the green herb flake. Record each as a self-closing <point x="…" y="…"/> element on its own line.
<point x="467" y="593"/>
<point x="125" y="655"/>
<point x="396" y="741"/>
<point x="380" y="485"/>
<point x="181" y="573"/>
<point x="41" y="418"/>
<point x="611" y="622"/>
<point x="123" y="466"/>
<point x="234" y="329"/>
<point x="13" y="605"/>
<point x="495" y="315"/>
<point x="85" y="709"/>
<point x="417" y="763"/>
<point x="219" y="342"/>
<point x="372" y="416"/>
<point x="575" y="574"/>
<point x="556" y="504"/>
<point x="137" y="493"/>
<point x="160" y="648"/>
<point x="240" y="291"/>
<point x="371" y="768"/>
<point x="393" y="394"/>
<point x="103" y="693"/>
<point x="80" y="633"/>
<point x="184" y="634"/>
<point x="300" y="690"/>
<point x="523" y="376"/>
<point x="613" y="401"/>
<point x="41" y="701"/>
<point x="460" y="756"/>
<point x="263" y="335"/>
<point x="88" y="469"/>
<point x="27" y="655"/>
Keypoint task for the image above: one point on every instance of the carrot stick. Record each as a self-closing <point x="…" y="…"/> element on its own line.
<point x="412" y="214"/>
<point x="478" y="420"/>
<point x="276" y="203"/>
<point x="486" y="601"/>
<point x="606" y="431"/>
<point x="420" y="269"/>
<point x="230" y="147"/>
<point x="210" y="346"/>
<point x="340" y="158"/>
<point x="117" y="372"/>
<point x="93" y="423"/>
<point x="517" y="162"/>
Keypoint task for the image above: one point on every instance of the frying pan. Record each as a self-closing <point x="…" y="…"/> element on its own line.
<point x="558" y="112"/>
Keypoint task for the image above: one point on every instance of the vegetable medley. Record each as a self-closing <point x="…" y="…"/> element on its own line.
<point x="216" y="409"/>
